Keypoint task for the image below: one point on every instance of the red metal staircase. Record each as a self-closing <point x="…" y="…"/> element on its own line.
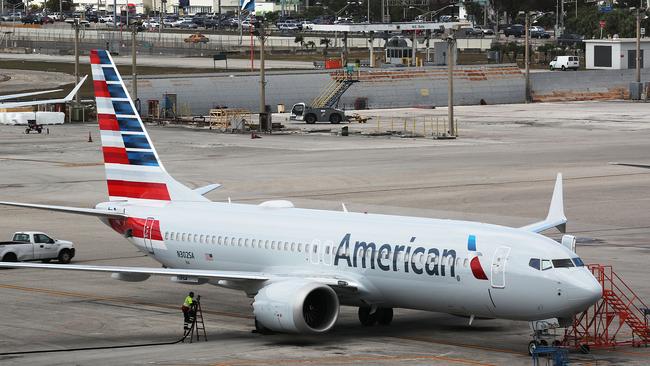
<point x="619" y="317"/>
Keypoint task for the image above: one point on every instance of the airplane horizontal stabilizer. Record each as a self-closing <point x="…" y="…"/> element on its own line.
<point x="72" y="210"/>
<point x="555" y="217"/>
<point x="206" y="189"/>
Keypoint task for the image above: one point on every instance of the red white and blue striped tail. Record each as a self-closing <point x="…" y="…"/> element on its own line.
<point x="133" y="169"/>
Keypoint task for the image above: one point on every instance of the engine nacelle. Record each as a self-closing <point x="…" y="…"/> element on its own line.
<point x="296" y="306"/>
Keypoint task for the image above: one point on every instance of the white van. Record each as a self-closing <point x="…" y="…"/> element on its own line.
<point x="564" y="63"/>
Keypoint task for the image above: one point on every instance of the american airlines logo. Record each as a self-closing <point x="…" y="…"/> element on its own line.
<point x="389" y="257"/>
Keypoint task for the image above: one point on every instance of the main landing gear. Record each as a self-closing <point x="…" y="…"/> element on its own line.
<point x="383" y="316"/>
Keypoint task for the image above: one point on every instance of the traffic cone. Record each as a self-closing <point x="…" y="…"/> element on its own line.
<point x="90" y="137"/>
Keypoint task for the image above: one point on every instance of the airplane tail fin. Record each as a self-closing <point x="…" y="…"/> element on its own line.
<point x="133" y="169"/>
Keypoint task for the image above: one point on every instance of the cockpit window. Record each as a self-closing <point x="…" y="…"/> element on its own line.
<point x="562" y="263"/>
<point x="546" y="264"/>
<point x="578" y="262"/>
<point x="534" y="262"/>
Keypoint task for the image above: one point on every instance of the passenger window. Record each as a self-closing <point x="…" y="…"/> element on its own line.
<point x="246" y="243"/>
<point x="286" y="246"/>
<point x="166" y="235"/>
<point x="273" y="244"/>
<point x="201" y="239"/>
<point x="465" y="262"/>
<point x="299" y="247"/>
<point x="183" y="237"/>
<point x="266" y="244"/>
<point x="196" y="237"/>
<point x="219" y="240"/>
<point x="293" y="246"/>
<point x="307" y="248"/>
<point x="546" y="264"/>
<point x="534" y="262"/>
<point x="253" y="243"/>
<point x="239" y="241"/>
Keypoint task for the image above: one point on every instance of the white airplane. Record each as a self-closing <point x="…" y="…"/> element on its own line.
<point x="301" y="265"/>
<point x="66" y="99"/>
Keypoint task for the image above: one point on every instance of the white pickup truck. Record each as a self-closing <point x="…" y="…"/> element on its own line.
<point x="36" y="246"/>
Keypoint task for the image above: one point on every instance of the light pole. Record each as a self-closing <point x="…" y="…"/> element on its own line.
<point x="527" y="58"/>
<point x="134" y="67"/>
<point x="638" y="46"/>
<point x="260" y="32"/>
<point x="76" y="55"/>
<point x="451" y="43"/>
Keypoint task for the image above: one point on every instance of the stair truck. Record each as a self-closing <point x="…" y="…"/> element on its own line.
<point x="324" y="107"/>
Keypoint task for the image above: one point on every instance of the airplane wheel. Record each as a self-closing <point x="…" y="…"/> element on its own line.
<point x="366" y="318"/>
<point x="532" y="346"/>
<point x="384" y="316"/>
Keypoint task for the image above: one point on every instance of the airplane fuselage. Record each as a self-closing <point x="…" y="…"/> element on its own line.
<point x="403" y="262"/>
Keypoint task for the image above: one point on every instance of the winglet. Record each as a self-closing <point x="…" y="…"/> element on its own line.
<point x="75" y="90"/>
<point x="555" y="217"/>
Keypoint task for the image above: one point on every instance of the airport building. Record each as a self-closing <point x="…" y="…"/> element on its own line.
<point x="615" y="53"/>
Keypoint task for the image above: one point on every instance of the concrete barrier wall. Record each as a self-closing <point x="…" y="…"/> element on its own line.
<point x="583" y="85"/>
<point x="417" y="87"/>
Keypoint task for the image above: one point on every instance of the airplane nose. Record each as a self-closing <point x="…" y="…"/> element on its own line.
<point x="586" y="291"/>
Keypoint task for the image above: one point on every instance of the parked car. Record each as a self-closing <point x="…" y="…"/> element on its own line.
<point x="150" y="24"/>
<point x="515" y="30"/>
<point x="288" y="27"/>
<point x="34" y="245"/>
<point x="538" y="32"/>
<point x="570" y="39"/>
<point x="484" y="31"/>
<point x="187" y="24"/>
<point x="197" y="38"/>
<point x="565" y="63"/>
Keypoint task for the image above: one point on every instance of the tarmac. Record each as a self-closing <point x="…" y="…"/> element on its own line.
<point x="501" y="170"/>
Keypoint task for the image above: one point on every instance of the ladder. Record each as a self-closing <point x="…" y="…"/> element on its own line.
<point x="619" y="317"/>
<point x="198" y="326"/>
<point x="331" y="94"/>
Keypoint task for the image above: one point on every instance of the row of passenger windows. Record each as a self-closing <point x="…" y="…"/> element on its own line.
<point x="544" y="264"/>
<point x="420" y="258"/>
<point x="242" y="242"/>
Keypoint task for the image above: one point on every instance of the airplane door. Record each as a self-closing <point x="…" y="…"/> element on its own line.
<point x="314" y="251"/>
<point x="499" y="260"/>
<point x="147" y="233"/>
<point x="327" y="249"/>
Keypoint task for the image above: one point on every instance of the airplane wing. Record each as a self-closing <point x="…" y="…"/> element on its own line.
<point x="555" y="217"/>
<point x="223" y="275"/>
<point x="342" y="285"/>
<point x="66" y="209"/>
<point x="67" y="98"/>
<point x="22" y="95"/>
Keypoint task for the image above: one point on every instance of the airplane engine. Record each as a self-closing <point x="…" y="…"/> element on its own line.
<point x="296" y="306"/>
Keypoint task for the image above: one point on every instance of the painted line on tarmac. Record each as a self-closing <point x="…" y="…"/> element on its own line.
<point x="464" y="345"/>
<point x="352" y="359"/>
<point x="122" y="300"/>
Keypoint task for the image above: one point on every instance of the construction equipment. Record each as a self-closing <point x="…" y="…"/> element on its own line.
<point x="324" y="107"/>
<point x="197" y="326"/>
<point x="620" y="317"/>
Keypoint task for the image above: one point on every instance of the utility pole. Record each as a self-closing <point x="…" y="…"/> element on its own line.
<point x="527" y="58"/>
<point x="451" y="43"/>
<point x="264" y="117"/>
<point x="368" y="18"/>
<point x="76" y="55"/>
<point x="638" y="46"/>
<point x="383" y="13"/>
<point x="163" y="7"/>
<point x="562" y="16"/>
<point x="134" y="67"/>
